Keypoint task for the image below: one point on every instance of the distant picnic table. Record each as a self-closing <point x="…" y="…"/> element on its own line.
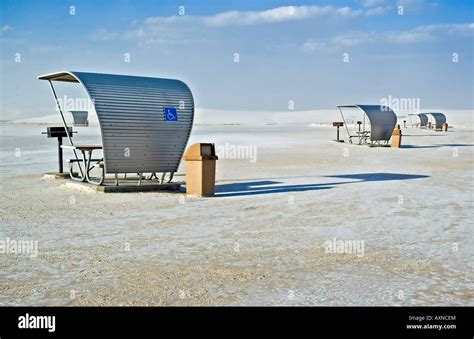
<point x="362" y="136"/>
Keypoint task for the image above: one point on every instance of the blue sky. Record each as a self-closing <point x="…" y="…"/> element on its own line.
<point x="288" y="50"/>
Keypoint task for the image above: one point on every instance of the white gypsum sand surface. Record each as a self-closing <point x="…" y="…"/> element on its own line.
<point x="260" y="240"/>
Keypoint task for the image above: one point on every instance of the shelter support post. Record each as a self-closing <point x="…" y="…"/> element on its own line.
<point x="64" y="123"/>
<point x="60" y="154"/>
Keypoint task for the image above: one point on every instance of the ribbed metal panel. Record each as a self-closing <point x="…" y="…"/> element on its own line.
<point x="135" y="134"/>
<point x="382" y="121"/>
<point x="439" y="119"/>
<point x="423" y="119"/>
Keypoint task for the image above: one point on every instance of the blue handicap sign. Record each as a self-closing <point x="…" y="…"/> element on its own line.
<point x="171" y="114"/>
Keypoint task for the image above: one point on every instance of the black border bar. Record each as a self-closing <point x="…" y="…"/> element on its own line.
<point x="290" y="322"/>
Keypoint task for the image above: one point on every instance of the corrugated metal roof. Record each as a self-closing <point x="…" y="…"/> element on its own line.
<point x="423" y="119"/>
<point x="382" y="120"/>
<point x="439" y="119"/>
<point x="136" y="135"/>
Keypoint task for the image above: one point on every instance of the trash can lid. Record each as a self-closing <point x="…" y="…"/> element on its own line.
<point x="397" y="130"/>
<point x="202" y="151"/>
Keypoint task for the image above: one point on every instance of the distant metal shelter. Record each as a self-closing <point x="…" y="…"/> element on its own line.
<point x="418" y="120"/>
<point x="439" y="119"/>
<point x="381" y="119"/>
<point x="423" y="120"/>
<point x="145" y="122"/>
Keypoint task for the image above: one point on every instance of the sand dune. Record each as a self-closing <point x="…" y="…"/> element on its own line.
<point x="203" y="116"/>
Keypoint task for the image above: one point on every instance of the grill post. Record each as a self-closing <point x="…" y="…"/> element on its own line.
<point x="59" y="133"/>
<point x="338" y="124"/>
<point x="60" y="154"/>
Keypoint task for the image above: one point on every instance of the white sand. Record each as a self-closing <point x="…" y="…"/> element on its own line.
<point x="205" y="116"/>
<point x="260" y="241"/>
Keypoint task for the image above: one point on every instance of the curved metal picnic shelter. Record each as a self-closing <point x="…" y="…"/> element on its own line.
<point x="382" y="121"/>
<point x="423" y="119"/>
<point x="418" y="120"/>
<point x="439" y="119"/>
<point x="145" y="122"/>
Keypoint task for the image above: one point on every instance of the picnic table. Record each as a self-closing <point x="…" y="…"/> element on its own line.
<point x="363" y="136"/>
<point x="86" y="164"/>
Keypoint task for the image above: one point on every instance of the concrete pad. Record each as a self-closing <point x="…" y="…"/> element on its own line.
<point x="125" y="185"/>
<point x="129" y="187"/>
<point x="173" y="187"/>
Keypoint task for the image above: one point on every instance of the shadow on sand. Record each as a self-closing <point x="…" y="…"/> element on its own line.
<point x="437" y="146"/>
<point x="424" y="135"/>
<point x="270" y="186"/>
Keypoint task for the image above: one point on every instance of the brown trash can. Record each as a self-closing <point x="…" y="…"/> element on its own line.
<point x="397" y="137"/>
<point x="200" y="169"/>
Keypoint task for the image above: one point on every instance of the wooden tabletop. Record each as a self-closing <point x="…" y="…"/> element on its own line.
<point x="83" y="147"/>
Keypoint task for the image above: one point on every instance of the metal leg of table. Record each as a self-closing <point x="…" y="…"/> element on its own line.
<point x="89" y="168"/>
<point x="71" y="172"/>
<point x="83" y="176"/>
